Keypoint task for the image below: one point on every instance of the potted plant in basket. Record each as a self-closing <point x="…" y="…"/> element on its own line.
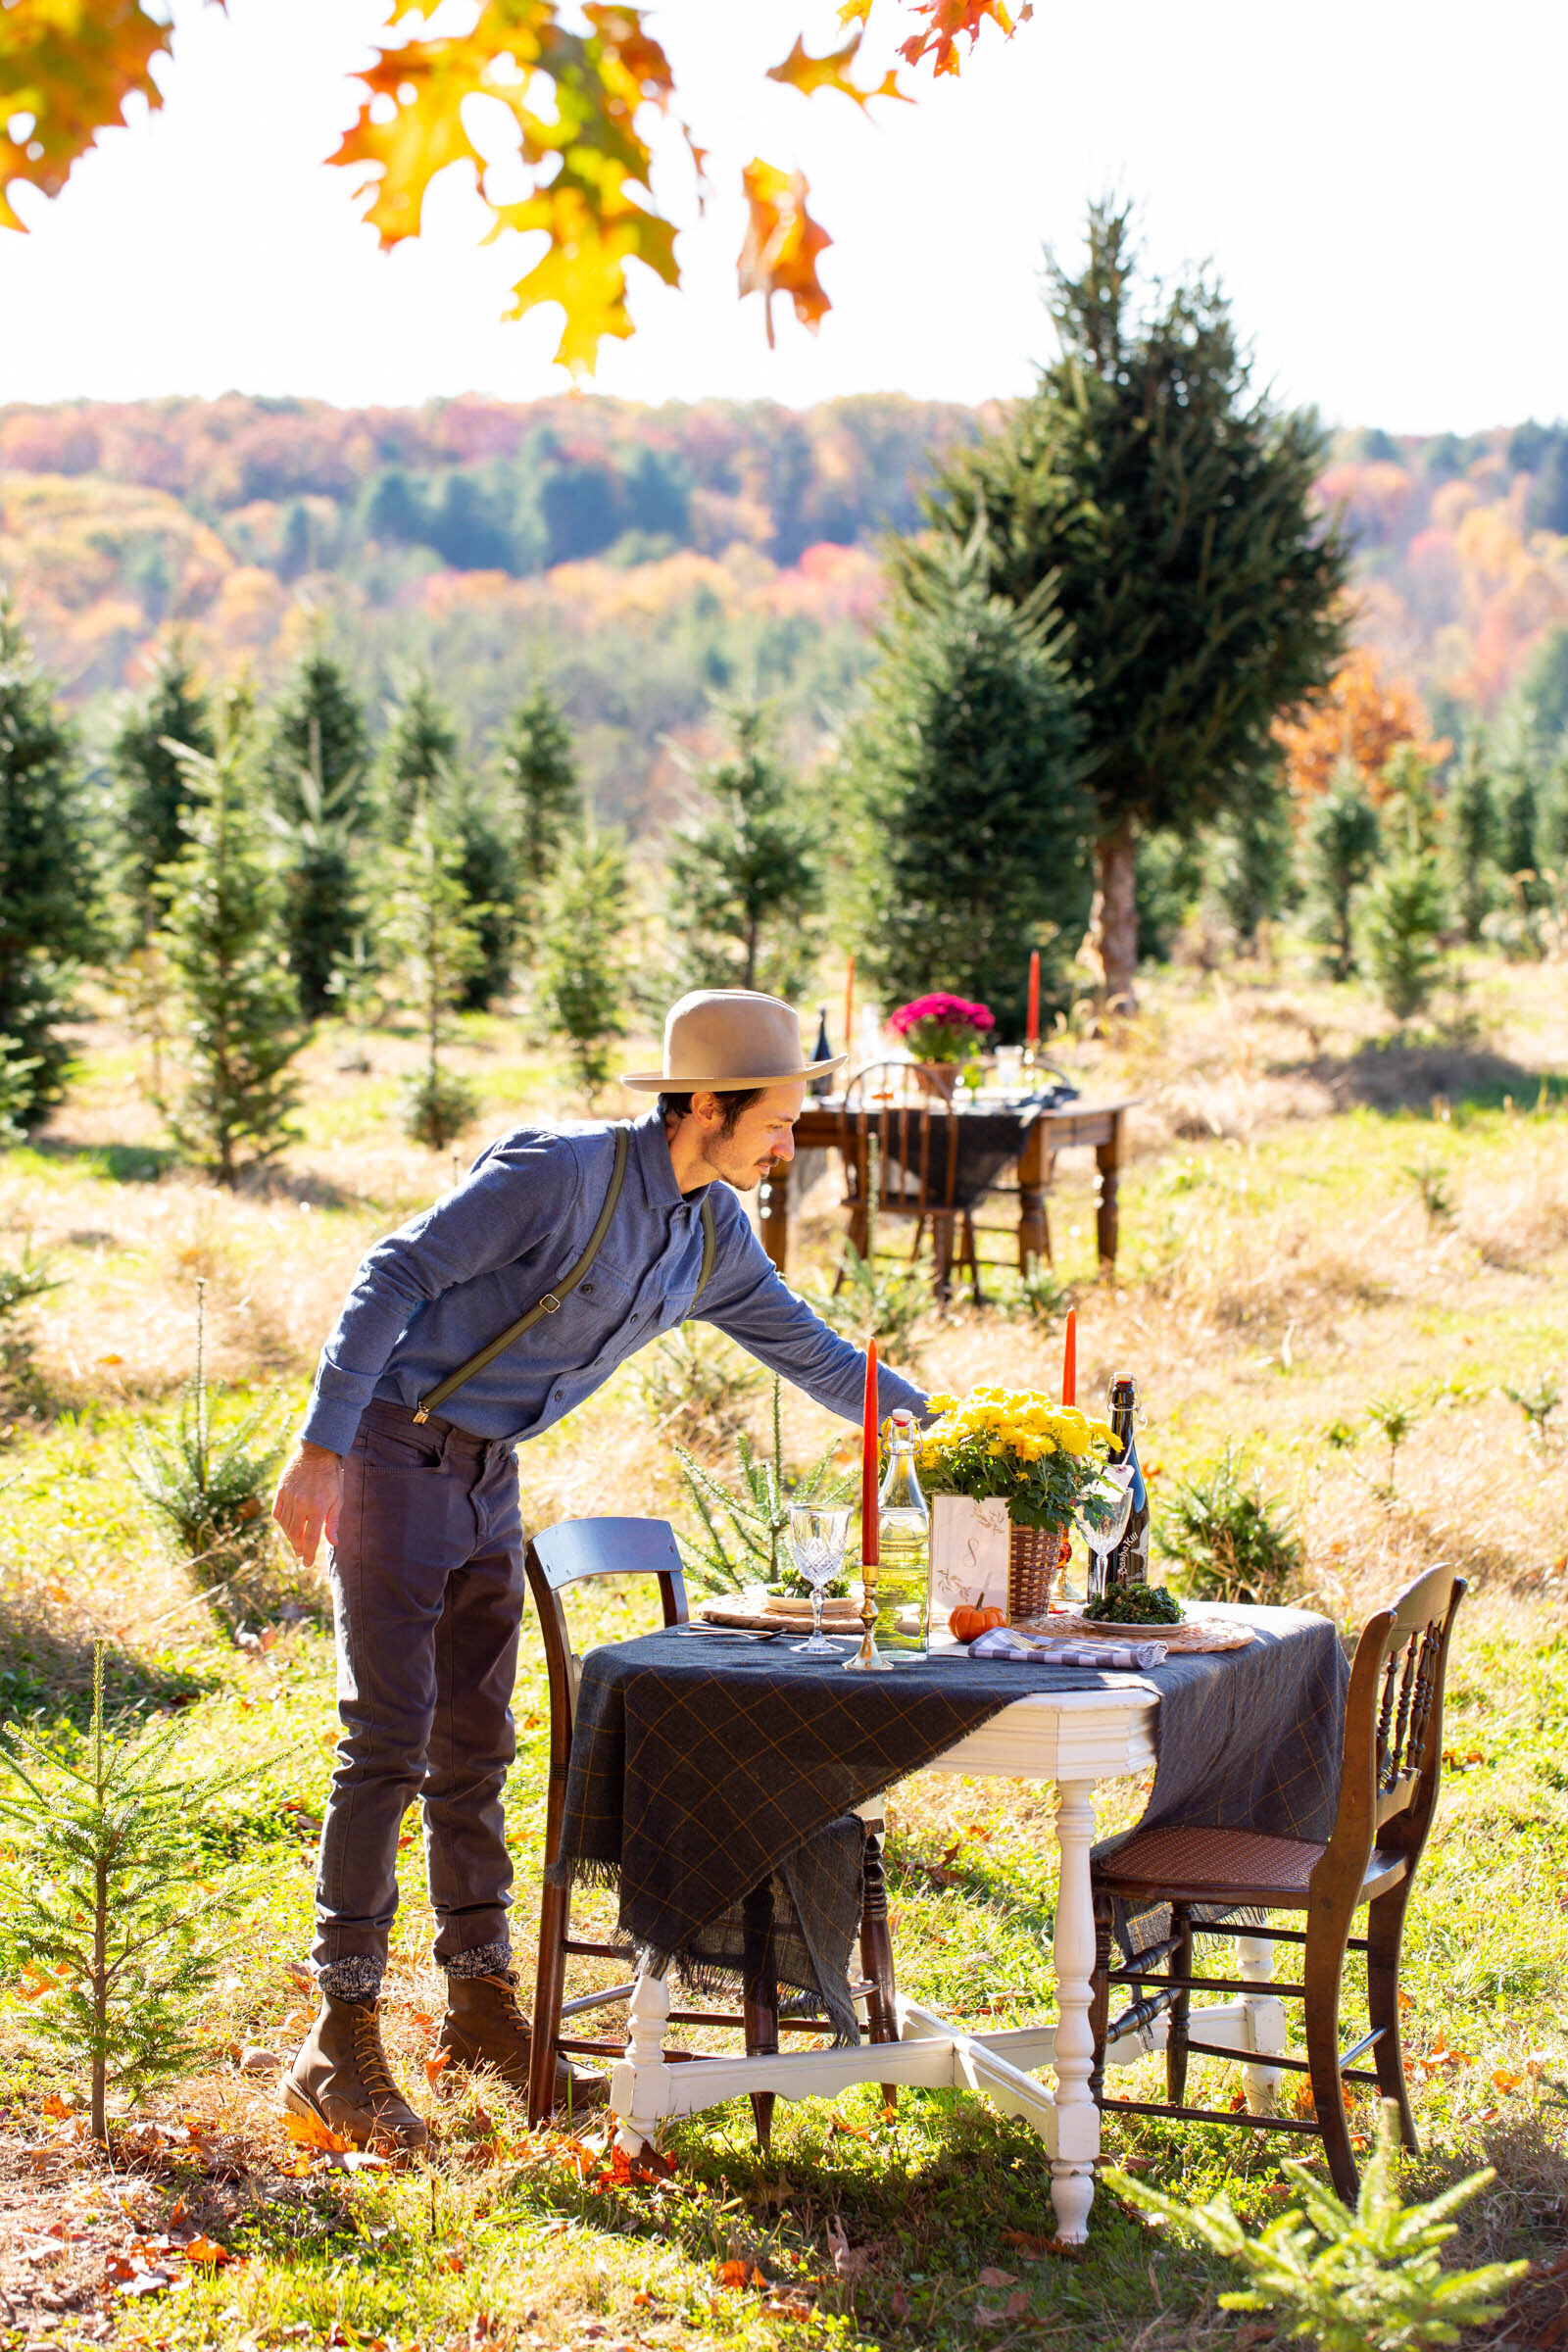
<point x="1007" y="1470"/>
<point x="943" y="1033"/>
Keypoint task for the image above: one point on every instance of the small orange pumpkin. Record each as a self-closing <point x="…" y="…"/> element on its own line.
<point x="970" y="1619"/>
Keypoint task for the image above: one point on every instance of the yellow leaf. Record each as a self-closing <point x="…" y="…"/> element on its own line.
<point x="782" y="244"/>
<point x="71" y="65"/>
<point x="808" y="74"/>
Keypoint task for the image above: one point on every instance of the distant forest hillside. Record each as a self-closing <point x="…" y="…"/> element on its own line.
<point x="646" y="560"/>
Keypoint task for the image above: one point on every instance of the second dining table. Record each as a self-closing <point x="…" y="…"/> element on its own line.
<point x="700" y="1769"/>
<point x="1040" y="1134"/>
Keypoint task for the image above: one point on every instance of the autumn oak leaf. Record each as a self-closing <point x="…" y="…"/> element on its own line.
<point x="947" y="19"/>
<point x="70" y="65"/>
<point x="782" y="244"/>
<point x="807" y="73"/>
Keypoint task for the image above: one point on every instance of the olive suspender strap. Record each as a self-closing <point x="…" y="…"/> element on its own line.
<point x="551" y="1299"/>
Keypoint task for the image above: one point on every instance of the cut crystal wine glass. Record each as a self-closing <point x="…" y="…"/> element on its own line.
<point x="817" y="1539"/>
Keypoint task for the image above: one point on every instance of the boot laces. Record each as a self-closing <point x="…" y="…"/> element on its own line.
<point x="371" y="2057"/>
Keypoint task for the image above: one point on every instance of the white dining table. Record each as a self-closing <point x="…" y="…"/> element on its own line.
<point x="1080" y="1741"/>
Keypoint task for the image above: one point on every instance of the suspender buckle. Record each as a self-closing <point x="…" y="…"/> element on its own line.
<point x="550" y="1303"/>
<point x="420" y="1414"/>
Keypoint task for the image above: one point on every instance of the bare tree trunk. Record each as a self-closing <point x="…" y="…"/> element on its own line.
<point x="1113" y="917"/>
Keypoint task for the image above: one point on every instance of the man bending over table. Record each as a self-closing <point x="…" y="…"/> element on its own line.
<point x="419" y="1504"/>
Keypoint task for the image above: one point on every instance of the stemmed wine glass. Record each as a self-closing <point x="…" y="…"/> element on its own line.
<point x="817" y="1539"/>
<point x="1103" y="1515"/>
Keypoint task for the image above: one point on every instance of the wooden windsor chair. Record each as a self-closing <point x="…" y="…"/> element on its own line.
<point x="1388" y="1792"/>
<point x="564" y="1555"/>
<point x="890" y="1104"/>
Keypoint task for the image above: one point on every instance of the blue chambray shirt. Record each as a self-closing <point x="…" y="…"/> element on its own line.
<point x="443" y="1286"/>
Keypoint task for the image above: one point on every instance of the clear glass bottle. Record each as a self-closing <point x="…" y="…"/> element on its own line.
<point x="903" y="1588"/>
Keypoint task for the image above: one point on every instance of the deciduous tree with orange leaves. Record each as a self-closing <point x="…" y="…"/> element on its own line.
<point x="1362" y="716"/>
<point x="586" y="110"/>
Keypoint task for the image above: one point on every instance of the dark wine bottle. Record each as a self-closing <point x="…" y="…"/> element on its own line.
<point x="1128" y="1564"/>
<point x="822" y="1051"/>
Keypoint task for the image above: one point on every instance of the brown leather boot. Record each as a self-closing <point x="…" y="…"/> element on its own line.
<point x="484" y="2027"/>
<point x="341" y="2077"/>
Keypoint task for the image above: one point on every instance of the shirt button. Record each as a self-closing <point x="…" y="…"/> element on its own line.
<point x="586" y="1288"/>
<point x="559" y="1393"/>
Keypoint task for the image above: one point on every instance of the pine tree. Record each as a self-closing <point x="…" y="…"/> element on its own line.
<point x="418" y="758"/>
<point x="1473" y="839"/>
<point x="1251" y="860"/>
<point x="109" y="1887"/>
<point x="317" y="728"/>
<point x="746" y="880"/>
<point x="322" y="898"/>
<point x="966" y="781"/>
<point x="152" y="792"/>
<point x="583" y="955"/>
<point x="1174" y="509"/>
<point x="49" y="904"/>
<point x="430" y="933"/>
<point x="487" y="870"/>
<point x="540" y="775"/>
<point x="1405" y="914"/>
<point x="224" y="938"/>
<point x="1341" y="844"/>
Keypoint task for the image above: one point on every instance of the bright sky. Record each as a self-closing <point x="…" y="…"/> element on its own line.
<point x="1379" y="183"/>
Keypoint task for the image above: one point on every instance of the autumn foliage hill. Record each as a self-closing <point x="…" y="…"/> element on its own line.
<point x="647" y="557"/>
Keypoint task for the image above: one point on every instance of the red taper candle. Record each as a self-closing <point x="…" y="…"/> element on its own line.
<point x="1069" y="1359"/>
<point x="1032" y="1027"/>
<point x="870" y="1464"/>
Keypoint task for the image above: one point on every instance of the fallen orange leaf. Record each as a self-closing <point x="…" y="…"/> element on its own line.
<point x="309" y="2131"/>
<point x="433" y="2067"/>
<point x="207" y="2250"/>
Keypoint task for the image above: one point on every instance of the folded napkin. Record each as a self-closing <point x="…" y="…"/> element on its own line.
<point x="1116" y="1657"/>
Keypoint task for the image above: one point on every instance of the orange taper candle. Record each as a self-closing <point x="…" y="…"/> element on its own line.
<point x="1032" y="1026"/>
<point x="870" y="1464"/>
<point x="1069" y="1359"/>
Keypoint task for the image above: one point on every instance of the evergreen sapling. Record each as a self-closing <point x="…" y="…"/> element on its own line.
<point x="582" y="976"/>
<point x="1343" y="839"/>
<point x="431" y="933"/>
<point x="539" y="774"/>
<point x="747" y="876"/>
<point x="223" y="937"/>
<point x="107" y="1897"/>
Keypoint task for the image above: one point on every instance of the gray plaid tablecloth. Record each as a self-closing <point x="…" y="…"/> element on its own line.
<point x="697" y="1777"/>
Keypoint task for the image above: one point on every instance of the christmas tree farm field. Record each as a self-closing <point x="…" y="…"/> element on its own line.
<point x="1326" y="1238"/>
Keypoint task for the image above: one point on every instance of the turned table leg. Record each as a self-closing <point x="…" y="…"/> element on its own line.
<point x="774" y="1214"/>
<point x="1034" y="1178"/>
<point x="637" y="2084"/>
<point x="1108" y="1159"/>
<point x="1077" y="2118"/>
<point x="1265" y="2020"/>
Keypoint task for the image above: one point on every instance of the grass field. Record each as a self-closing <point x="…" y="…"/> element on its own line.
<point x="1316" y="1219"/>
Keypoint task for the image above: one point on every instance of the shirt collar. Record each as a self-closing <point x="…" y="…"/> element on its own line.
<point x="650" y="1145"/>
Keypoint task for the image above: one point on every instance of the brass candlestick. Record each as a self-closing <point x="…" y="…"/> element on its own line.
<point x="868" y="1659"/>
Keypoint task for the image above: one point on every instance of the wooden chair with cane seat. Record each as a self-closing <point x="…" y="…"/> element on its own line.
<point x="912" y="1172"/>
<point x="1388" y="1792"/>
<point x="564" y="1555"/>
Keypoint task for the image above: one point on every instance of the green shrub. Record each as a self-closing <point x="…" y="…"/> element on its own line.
<point x="1361" y="2279"/>
<point x="434" y="1107"/>
<point x="697" y="1387"/>
<point x="1230" y="1540"/>
<point x="210" y="1492"/>
<point x="742" y="1533"/>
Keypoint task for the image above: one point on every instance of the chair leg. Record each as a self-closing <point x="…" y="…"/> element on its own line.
<point x="972" y="1258"/>
<point x="759" y="2002"/>
<point x="549" y="1982"/>
<point x="1325" y="1962"/>
<point x="1181" y="1965"/>
<point x="1099" y="1996"/>
<point x="1384" y="1924"/>
<point x="876" y="1953"/>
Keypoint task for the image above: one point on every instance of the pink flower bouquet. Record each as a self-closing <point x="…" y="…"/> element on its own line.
<point x="943" y="1028"/>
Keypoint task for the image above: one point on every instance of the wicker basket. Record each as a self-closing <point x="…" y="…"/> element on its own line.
<point x="1034" y="1554"/>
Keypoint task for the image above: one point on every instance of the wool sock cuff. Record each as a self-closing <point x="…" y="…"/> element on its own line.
<point x="484" y="1960"/>
<point x="356" y="1977"/>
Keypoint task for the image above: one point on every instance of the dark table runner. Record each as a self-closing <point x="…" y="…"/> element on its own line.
<point x="988" y="1140"/>
<point x="700" y="1771"/>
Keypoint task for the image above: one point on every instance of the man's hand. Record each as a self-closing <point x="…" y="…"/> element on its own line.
<point x="308" y="1498"/>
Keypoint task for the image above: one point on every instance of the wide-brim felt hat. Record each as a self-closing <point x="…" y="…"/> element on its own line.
<point x="719" y="1040"/>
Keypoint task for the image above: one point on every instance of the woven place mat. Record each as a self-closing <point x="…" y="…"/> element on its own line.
<point x="1194" y="1635"/>
<point x="838" y="1617"/>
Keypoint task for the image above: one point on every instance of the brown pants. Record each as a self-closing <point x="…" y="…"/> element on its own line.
<point x="427" y="1590"/>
